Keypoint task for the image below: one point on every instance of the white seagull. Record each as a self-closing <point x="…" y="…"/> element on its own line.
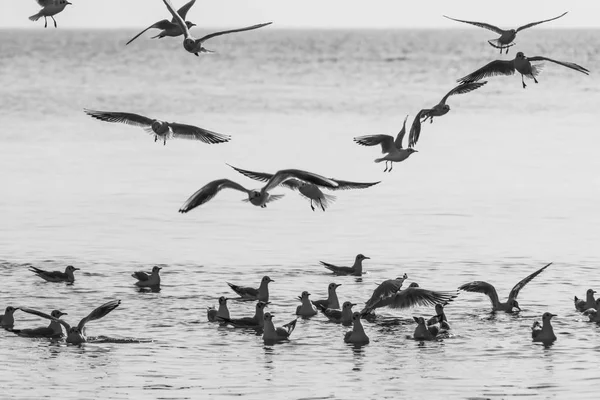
<point x="49" y="9"/>
<point x="169" y="28"/>
<point x="214" y="315"/>
<point x="438" y="110"/>
<point x="52" y="330"/>
<point x="258" y="197"/>
<point x="506" y="36"/>
<point x="193" y="45"/>
<point x="250" y="293"/>
<point x="160" y="129"/>
<point x="357" y="335"/>
<point x="272" y="334"/>
<point x="544" y="332"/>
<point x="76" y="334"/>
<point x="589" y="302"/>
<point x="490" y="291"/>
<point x="56" y="276"/>
<point x="393" y="150"/>
<point x="355" y="269"/>
<point x="521" y="64"/>
<point x="147" y="280"/>
<point x="308" y="190"/>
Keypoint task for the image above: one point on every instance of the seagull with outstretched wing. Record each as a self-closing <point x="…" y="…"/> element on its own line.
<point x="169" y="28"/>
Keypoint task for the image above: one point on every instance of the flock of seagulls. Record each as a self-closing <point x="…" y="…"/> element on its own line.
<point x="388" y="294"/>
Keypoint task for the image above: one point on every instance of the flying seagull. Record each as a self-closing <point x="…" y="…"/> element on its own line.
<point x="49" y="9"/>
<point x="520" y="64"/>
<point x="169" y="28"/>
<point x="193" y="45"/>
<point x="506" y="36"/>
<point x="308" y="190"/>
<point x="163" y="129"/>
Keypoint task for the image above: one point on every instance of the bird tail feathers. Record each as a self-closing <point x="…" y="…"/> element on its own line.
<point x="35" y="17"/>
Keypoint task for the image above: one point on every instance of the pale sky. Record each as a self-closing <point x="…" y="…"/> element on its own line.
<point x="311" y="13"/>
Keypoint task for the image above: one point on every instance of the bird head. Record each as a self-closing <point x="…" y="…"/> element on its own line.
<point x="590" y="292"/>
<point x="548" y="316"/>
<point x="520" y="55"/>
<point x="362" y="257"/>
<point x="266" y="279"/>
<point x="10" y="309"/>
<point x="57" y="313"/>
<point x="333" y="286"/>
<point x="268" y="317"/>
<point x="189" y="24"/>
<point x="348" y="304"/>
<point x="261" y="304"/>
<point x="156" y="268"/>
<point x="515" y="304"/>
<point x="356" y="316"/>
<point x="71" y="268"/>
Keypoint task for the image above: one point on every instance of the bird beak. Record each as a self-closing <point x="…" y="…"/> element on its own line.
<point x="416" y="319"/>
<point x="63" y="313"/>
<point x="353" y="304"/>
<point x="271" y="280"/>
<point x="367" y="258"/>
<point x="416" y="151"/>
<point x="593" y="291"/>
<point x="159" y="268"/>
<point x="553" y="315"/>
<point x="338" y="285"/>
<point x="76" y="269"/>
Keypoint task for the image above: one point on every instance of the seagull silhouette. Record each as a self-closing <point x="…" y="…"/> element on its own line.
<point x="169" y="28"/>
<point x="49" y="9"/>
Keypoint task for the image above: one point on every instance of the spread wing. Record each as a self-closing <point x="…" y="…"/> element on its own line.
<point x="120" y="117"/>
<point x="248" y="28"/>
<point x="386" y="141"/>
<point x="140" y="276"/>
<point x="563" y="63"/>
<point x="482" y="287"/>
<point x="515" y="291"/>
<point x="163" y="24"/>
<point x="184" y="10"/>
<point x="194" y="133"/>
<point x="415" y="296"/>
<point x="480" y="24"/>
<point x="208" y="191"/>
<point x="539" y="22"/>
<point x="177" y="19"/>
<point x="400" y="136"/>
<point x="99" y="312"/>
<point x="286" y="174"/>
<point x="385" y="290"/>
<point x="47" y="316"/>
<point x="497" y="67"/>
<point x="463" y="88"/>
<point x="415" y="128"/>
<point x="346" y="185"/>
<point x="293" y="184"/>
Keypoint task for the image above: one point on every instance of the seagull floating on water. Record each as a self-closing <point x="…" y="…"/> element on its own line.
<point x="506" y="36"/>
<point x="332" y="300"/>
<point x="308" y="190"/>
<point x="249" y="293"/>
<point x="439" y="318"/>
<point x="76" y="334"/>
<point x="593" y="313"/>
<point x="49" y="9"/>
<point x="343" y="317"/>
<point x="355" y="269"/>
<point x="56" y="276"/>
<point x="357" y="335"/>
<point x="490" y="291"/>
<point x="272" y="335"/>
<point x="305" y="309"/>
<point x="255" y="322"/>
<point x="589" y="302"/>
<point x="520" y="64"/>
<point x="147" y="280"/>
<point x="7" y="320"/>
<point x="424" y="332"/>
<point x="193" y="45"/>
<point x="438" y="110"/>
<point x="223" y="312"/>
<point x="169" y="28"/>
<point x="52" y="330"/>
<point x="393" y="150"/>
<point x="544" y="332"/>
<point x="256" y="197"/>
<point x="160" y="129"/>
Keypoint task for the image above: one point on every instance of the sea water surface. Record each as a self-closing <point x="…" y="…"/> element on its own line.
<point x="504" y="183"/>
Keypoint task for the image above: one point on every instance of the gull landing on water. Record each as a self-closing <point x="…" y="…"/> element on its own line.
<point x="438" y="110"/>
<point x="490" y="291"/>
<point x="52" y="330"/>
<point x="76" y="334"/>
<point x="49" y="9"/>
<point x="169" y="28"/>
<point x="308" y="190"/>
<point x="193" y="45"/>
<point x="506" y="36"/>
<point x="272" y="334"/>
<point x="520" y="64"/>
<point x="543" y="332"/>
<point x="56" y="276"/>
<point x="249" y="293"/>
<point x="147" y="280"/>
<point x="355" y="269"/>
<point x="391" y="148"/>
<point x="257" y="197"/>
<point x="160" y="129"/>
